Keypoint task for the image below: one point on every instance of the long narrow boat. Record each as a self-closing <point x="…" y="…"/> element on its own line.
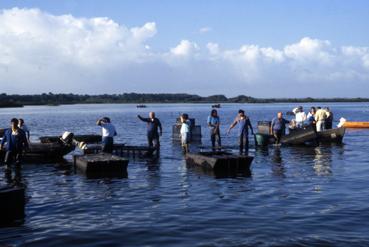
<point x="357" y="125"/>
<point x="44" y="152"/>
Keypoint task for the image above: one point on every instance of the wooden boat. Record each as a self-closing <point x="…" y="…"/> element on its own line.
<point x="220" y="162"/>
<point x="12" y="204"/>
<point x="358" y="125"/>
<point x="79" y="138"/>
<point x="332" y="135"/>
<point x="44" y="152"/>
<point x="300" y="136"/>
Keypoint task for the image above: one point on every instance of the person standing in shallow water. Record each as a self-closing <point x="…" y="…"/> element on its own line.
<point x="108" y="133"/>
<point x="278" y="127"/>
<point x="15" y="142"/>
<point x="185" y="133"/>
<point x="153" y="128"/>
<point x="214" y="124"/>
<point x="244" y="124"/>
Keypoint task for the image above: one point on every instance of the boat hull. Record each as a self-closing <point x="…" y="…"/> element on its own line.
<point x="331" y="135"/>
<point x="303" y="136"/>
<point x="220" y="163"/>
<point x="12" y="204"/>
<point x="44" y="152"/>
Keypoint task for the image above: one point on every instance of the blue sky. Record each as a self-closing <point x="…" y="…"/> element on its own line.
<point x="230" y="25"/>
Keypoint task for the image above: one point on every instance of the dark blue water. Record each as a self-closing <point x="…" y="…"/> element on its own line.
<point x="295" y="196"/>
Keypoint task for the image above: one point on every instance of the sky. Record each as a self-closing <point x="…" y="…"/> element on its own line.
<point x="315" y="48"/>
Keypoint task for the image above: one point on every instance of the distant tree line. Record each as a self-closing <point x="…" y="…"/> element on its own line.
<point x="17" y="100"/>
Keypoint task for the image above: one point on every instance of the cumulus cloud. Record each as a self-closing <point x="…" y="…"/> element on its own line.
<point x="41" y="52"/>
<point x="184" y="48"/>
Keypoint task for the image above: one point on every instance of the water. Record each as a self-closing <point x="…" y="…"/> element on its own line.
<point x="295" y="196"/>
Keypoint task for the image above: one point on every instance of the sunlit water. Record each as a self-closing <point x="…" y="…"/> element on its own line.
<point x="295" y="196"/>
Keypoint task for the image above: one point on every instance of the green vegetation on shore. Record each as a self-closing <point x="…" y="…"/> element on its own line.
<point x="57" y="99"/>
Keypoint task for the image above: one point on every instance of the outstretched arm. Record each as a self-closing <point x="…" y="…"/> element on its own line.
<point x="232" y="125"/>
<point x="143" y="119"/>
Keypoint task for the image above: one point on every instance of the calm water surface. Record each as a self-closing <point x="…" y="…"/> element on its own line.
<point x="295" y="196"/>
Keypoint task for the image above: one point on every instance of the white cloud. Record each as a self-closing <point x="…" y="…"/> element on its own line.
<point x="205" y="29"/>
<point x="184" y="48"/>
<point x="40" y="52"/>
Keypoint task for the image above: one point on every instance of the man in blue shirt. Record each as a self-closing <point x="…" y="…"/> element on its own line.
<point x="214" y="123"/>
<point x="153" y="125"/>
<point x="15" y="142"/>
<point x="243" y="130"/>
<point x="279" y="127"/>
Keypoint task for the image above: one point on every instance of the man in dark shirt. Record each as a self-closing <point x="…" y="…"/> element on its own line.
<point x="153" y="125"/>
<point x="15" y="142"/>
<point x="279" y="127"/>
<point x="244" y="125"/>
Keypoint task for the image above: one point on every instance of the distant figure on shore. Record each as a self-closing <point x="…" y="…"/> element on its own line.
<point x="214" y="124"/>
<point x="278" y="127"/>
<point x="320" y="118"/>
<point x="185" y="133"/>
<point x="329" y="119"/>
<point x="300" y="117"/>
<point x="153" y="128"/>
<point x="15" y="142"/>
<point x="25" y="128"/>
<point x="108" y="133"/>
<point x="244" y="124"/>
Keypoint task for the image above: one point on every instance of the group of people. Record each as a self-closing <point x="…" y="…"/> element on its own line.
<point x="16" y="138"/>
<point x="320" y="118"/>
<point x="155" y="130"/>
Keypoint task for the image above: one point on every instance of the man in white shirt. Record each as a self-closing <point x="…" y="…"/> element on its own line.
<point x="300" y="117"/>
<point x="108" y="133"/>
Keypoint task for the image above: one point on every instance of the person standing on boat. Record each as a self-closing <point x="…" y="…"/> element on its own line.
<point x="15" y="142"/>
<point x="329" y="120"/>
<point x="24" y="127"/>
<point x="278" y="127"/>
<point x="153" y="125"/>
<point x="214" y="124"/>
<point x="320" y="118"/>
<point x="185" y="133"/>
<point x="108" y="133"/>
<point x="300" y="117"/>
<point x="244" y="124"/>
<point x="311" y="117"/>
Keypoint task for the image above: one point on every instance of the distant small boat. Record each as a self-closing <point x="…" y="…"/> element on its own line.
<point x="141" y="106"/>
<point x="356" y="125"/>
<point x="216" y="106"/>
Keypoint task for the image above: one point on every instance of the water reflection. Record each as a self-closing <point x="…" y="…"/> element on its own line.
<point x="278" y="168"/>
<point x="322" y="161"/>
